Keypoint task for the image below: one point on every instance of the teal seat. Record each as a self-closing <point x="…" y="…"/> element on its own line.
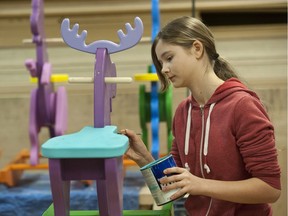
<point x="89" y="142"/>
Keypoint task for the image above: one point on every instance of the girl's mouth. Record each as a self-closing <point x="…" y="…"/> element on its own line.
<point x="171" y="78"/>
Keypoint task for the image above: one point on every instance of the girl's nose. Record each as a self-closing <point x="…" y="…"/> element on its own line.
<point x="164" y="69"/>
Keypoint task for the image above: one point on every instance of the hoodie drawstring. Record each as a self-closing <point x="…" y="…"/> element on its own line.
<point x="206" y="139"/>
<point x="187" y="135"/>
<point x="188" y="126"/>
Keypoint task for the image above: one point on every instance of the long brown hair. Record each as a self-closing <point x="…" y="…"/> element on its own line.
<point x="183" y="32"/>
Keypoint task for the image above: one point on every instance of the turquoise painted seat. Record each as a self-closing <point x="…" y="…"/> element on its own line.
<point x="89" y="142"/>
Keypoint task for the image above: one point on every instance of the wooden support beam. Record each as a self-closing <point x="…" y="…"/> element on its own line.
<point x="88" y="7"/>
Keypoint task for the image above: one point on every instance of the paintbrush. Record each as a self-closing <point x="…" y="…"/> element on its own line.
<point x="124" y="133"/>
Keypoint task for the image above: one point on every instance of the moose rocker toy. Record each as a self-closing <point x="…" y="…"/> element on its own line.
<point x="93" y="153"/>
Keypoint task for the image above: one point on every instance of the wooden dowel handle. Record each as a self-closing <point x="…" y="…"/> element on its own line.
<point x="118" y="79"/>
<point x="107" y="79"/>
<point x="47" y="40"/>
<point x="80" y="79"/>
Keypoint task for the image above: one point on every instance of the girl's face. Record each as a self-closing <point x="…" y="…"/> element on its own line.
<point x="178" y="63"/>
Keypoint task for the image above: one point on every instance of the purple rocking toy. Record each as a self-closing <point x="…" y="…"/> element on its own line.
<point x="93" y="153"/>
<point x="47" y="107"/>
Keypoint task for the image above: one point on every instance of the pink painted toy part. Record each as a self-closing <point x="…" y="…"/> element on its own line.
<point x="76" y="41"/>
<point x="47" y="107"/>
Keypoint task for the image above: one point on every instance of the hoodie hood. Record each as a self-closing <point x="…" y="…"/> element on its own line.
<point x="228" y="87"/>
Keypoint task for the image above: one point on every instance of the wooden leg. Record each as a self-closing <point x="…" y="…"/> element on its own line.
<point x="102" y="197"/>
<point x="34" y="129"/>
<point x="114" y="181"/>
<point x="110" y="198"/>
<point x="109" y="180"/>
<point x="60" y="189"/>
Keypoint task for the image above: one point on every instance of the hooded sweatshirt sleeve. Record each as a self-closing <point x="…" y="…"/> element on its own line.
<point x="256" y="141"/>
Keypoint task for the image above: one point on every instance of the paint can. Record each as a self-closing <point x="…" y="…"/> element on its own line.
<point x="152" y="173"/>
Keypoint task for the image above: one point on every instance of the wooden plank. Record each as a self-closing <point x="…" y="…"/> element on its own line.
<point x="165" y="211"/>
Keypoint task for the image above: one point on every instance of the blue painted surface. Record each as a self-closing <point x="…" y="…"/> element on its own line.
<point x="154" y="102"/>
<point x="33" y="196"/>
<point x="89" y="142"/>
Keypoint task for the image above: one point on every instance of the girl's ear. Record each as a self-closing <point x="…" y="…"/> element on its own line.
<point x="197" y="49"/>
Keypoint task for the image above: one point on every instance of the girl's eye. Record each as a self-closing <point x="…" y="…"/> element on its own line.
<point x="169" y="59"/>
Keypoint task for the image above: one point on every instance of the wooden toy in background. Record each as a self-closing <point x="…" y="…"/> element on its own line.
<point x="154" y="107"/>
<point x="11" y="174"/>
<point x="48" y="108"/>
<point x="93" y="153"/>
<point x="154" y="104"/>
<point x="165" y="109"/>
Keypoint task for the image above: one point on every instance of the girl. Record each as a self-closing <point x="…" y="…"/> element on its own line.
<point x="224" y="142"/>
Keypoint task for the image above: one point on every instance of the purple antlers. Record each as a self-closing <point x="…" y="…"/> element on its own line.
<point x="71" y="38"/>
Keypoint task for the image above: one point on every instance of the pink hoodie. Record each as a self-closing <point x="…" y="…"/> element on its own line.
<point x="231" y="138"/>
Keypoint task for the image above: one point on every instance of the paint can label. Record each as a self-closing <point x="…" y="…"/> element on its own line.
<point x="152" y="173"/>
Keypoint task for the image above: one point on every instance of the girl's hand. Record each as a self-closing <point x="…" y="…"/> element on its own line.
<point x="250" y="191"/>
<point x="137" y="150"/>
<point x="183" y="179"/>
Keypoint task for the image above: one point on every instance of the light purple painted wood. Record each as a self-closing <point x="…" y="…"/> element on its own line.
<point x="103" y="93"/>
<point x="47" y="107"/>
<point x="106" y="171"/>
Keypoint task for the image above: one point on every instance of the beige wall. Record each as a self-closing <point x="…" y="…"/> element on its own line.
<point x="259" y="53"/>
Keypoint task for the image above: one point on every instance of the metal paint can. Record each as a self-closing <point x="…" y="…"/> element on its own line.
<point x="152" y="173"/>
